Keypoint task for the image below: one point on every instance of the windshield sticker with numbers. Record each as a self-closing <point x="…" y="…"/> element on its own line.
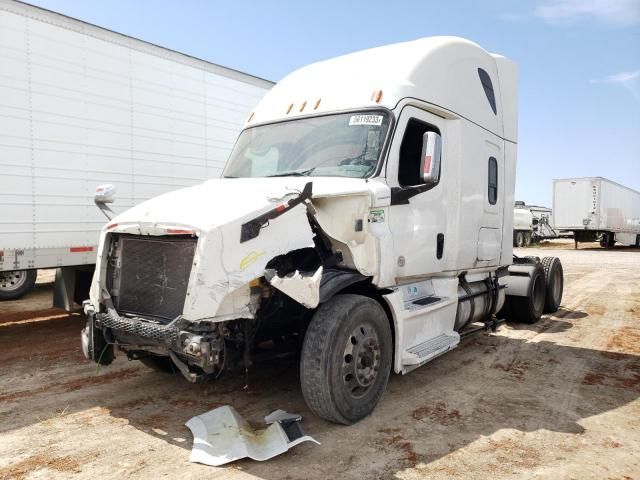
<point x="375" y="120"/>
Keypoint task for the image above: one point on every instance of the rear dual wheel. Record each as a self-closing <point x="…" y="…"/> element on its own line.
<point x="554" y="279"/>
<point x="527" y="309"/>
<point x="346" y="358"/>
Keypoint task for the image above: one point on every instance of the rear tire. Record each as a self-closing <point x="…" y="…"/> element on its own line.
<point x="554" y="280"/>
<point x="346" y="358"/>
<point x="529" y="309"/>
<point x="607" y="240"/>
<point x="159" y="363"/>
<point x="519" y="239"/>
<point x="527" y="239"/>
<point x="15" y="283"/>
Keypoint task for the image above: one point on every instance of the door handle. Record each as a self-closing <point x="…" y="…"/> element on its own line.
<point x="439" y="245"/>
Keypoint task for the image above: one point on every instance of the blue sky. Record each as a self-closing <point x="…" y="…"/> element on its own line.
<point x="579" y="60"/>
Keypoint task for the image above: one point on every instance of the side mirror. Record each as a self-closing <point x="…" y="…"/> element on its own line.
<point x="430" y="160"/>
<point x="105" y="194"/>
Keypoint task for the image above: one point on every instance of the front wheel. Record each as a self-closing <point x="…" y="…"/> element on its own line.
<point x="346" y="358"/>
<point x="15" y="283"/>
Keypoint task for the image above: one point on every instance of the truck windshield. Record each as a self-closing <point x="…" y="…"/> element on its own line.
<point x="342" y="145"/>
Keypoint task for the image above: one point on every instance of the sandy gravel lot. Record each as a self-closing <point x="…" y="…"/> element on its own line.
<point x="559" y="399"/>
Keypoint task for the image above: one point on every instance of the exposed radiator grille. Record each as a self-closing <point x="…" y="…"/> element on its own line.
<point x="152" y="275"/>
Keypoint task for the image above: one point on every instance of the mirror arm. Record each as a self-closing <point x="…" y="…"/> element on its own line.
<point x="104" y="208"/>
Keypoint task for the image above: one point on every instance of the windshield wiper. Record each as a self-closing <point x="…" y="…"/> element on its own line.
<point x="294" y="173"/>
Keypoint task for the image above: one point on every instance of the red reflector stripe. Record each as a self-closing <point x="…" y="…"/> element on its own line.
<point x="427" y="163"/>
<point x="80" y="249"/>
<point x="281" y="208"/>
<point x="179" y="231"/>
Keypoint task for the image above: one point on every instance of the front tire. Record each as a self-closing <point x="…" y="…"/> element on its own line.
<point x="15" y="283"/>
<point x="346" y="358"/>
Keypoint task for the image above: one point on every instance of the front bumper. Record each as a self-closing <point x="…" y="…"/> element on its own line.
<point x="140" y="337"/>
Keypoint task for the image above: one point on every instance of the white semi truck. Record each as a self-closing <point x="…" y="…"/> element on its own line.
<point x="597" y="209"/>
<point x="81" y="105"/>
<point x="364" y="221"/>
<point x="531" y="223"/>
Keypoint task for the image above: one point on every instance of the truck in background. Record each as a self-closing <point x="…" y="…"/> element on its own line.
<point x="82" y="106"/>
<point x="365" y="224"/>
<point x="531" y="224"/>
<point x="597" y="209"/>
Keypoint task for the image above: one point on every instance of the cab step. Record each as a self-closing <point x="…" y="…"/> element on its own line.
<point x="429" y="349"/>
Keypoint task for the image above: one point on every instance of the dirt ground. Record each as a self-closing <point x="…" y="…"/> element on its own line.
<point x="559" y="399"/>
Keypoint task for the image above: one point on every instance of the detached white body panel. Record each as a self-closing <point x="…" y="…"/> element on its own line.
<point x="83" y="106"/>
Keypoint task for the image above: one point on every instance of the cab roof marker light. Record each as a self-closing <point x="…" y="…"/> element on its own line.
<point x="289" y="109"/>
<point x="376" y="96"/>
<point x="180" y="231"/>
<point x="315" y="107"/>
<point x="304" y="104"/>
<point x="111" y="226"/>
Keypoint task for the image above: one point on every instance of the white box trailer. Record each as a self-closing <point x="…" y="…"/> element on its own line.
<point x="597" y="209"/>
<point x="82" y="106"/>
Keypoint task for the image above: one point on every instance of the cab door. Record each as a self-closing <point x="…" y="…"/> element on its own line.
<point x="418" y="212"/>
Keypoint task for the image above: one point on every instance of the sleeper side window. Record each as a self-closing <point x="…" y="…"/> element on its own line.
<point x="409" y="172"/>
<point x="493" y="181"/>
<point x="487" y="85"/>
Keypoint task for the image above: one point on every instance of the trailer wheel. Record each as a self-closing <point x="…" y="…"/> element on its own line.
<point x="607" y="240"/>
<point x="527" y="239"/>
<point x="519" y="239"/>
<point x="159" y="363"/>
<point x="15" y="283"/>
<point x="346" y="358"/>
<point x="554" y="277"/>
<point x="529" y="309"/>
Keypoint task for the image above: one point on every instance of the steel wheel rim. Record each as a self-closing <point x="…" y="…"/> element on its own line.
<point x="361" y="360"/>
<point x="12" y="280"/>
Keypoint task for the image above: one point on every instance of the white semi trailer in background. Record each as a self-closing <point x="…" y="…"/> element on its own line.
<point x="597" y="209"/>
<point x="364" y="221"/>
<point x="82" y="106"/>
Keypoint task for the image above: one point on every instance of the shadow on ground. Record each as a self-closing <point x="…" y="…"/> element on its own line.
<point x="491" y="382"/>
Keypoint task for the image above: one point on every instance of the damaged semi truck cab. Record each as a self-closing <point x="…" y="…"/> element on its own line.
<point x="364" y="221"/>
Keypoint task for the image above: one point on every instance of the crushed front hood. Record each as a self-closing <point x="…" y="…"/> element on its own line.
<point x="220" y="201"/>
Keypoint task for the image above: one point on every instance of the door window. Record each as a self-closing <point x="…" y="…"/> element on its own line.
<point x="493" y="181"/>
